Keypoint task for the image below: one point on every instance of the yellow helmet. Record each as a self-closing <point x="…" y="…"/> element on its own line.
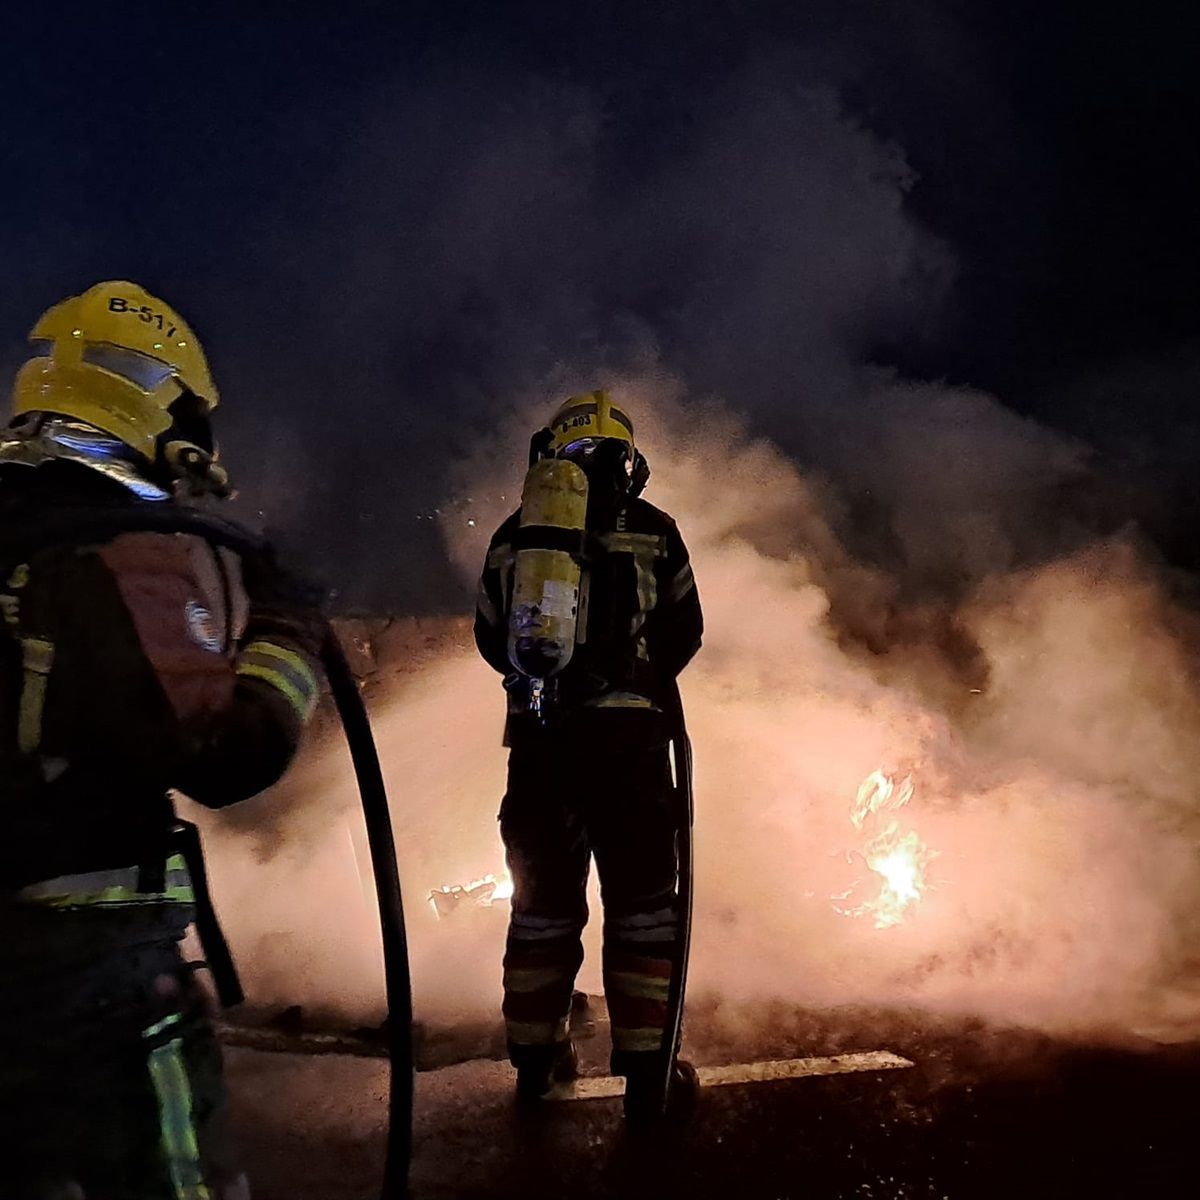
<point x="117" y="358"/>
<point x="588" y="419"/>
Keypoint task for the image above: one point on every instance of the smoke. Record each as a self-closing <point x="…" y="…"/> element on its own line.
<point x="897" y="574"/>
<point x="494" y="234"/>
<point x="1052" y="742"/>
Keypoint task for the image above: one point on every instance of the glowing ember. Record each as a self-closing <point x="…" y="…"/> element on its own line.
<point x="482" y="893"/>
<point x="896" y="855"/>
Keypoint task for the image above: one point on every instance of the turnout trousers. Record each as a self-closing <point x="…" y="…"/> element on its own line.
<point x="110" y="1073"/>
<point x="561" y="809"/>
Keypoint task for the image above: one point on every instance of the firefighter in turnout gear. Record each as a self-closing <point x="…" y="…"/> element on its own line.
<point x="589" y="609"/>
<point x="135" y="660"/>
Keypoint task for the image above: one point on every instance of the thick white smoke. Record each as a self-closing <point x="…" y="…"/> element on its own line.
<point x="916" y="598"/>
<point x="1055" y="782"/>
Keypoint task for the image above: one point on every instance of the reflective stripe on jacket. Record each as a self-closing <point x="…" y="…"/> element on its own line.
<point x="110" y="889"/>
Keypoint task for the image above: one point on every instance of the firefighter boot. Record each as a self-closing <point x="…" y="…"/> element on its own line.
<point x="643" y="1095"/>
<point x="541" y="1067"/>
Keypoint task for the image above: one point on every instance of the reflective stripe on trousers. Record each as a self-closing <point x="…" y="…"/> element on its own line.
<point x="541" y="961"/>
<point x="176" y="1111"/>
<point x="637" y="976"/>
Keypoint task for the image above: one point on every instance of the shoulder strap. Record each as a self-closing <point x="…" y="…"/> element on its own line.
<point x="34" y="653"/>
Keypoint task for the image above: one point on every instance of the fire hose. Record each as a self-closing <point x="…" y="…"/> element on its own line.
<point x="684" y="804"/>
<point x="397" y="979"/>
<point x="77" y="526"/>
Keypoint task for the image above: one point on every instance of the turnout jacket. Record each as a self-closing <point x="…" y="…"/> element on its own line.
<point x="640" y="621"/>
<point x="129" y="666"/>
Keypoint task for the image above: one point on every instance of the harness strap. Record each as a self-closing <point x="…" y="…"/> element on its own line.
<point x="37" y="659"/>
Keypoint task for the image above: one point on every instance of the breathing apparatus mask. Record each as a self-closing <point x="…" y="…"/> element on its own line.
<point x="187" y="452"/>
<point x="614" y="469"/>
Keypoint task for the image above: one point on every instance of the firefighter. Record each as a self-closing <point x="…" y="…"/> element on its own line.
<point x="135" y="660"/>
<point x="589" y="770"/>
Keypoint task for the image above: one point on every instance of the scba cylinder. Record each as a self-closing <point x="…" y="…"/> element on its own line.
<point x="545" y="602"/>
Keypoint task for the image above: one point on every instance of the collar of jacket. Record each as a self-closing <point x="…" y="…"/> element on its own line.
<point x="63" y="441"/>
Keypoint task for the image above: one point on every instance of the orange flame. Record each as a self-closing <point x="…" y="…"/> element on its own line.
<point x="482" y="892"/>
<point x="898" y="856"/>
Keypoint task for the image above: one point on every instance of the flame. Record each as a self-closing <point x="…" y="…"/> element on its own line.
<point x="483" y="892"/>
<point x="897" y="855"/>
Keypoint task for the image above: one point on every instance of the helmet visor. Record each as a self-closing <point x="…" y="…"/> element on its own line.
<point x="581" y="451"/>
<point x="142" y="370"/>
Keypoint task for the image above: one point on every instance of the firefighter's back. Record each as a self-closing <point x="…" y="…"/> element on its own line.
<point x="143" y="649"/>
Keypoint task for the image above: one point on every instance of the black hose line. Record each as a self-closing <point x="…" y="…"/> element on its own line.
<point x="397" y="978"/>
<point x="684" y="806"/>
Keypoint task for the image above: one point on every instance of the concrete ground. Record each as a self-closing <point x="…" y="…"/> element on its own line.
<point x="982" y="1113"/>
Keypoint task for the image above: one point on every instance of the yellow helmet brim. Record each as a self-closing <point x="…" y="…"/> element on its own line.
<point x="92" y="395"/>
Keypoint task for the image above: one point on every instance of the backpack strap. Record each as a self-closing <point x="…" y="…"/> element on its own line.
<point x="37" y="661"/>
<point x="35" y="654"/>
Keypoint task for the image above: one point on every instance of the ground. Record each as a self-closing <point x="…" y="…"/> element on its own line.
<point x="983" y="1113"/>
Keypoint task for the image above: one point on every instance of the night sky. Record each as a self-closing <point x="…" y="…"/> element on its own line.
<point x="386" y="221"/>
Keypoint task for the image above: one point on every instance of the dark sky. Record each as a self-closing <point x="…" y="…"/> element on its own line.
<point x="386" y="219"/>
